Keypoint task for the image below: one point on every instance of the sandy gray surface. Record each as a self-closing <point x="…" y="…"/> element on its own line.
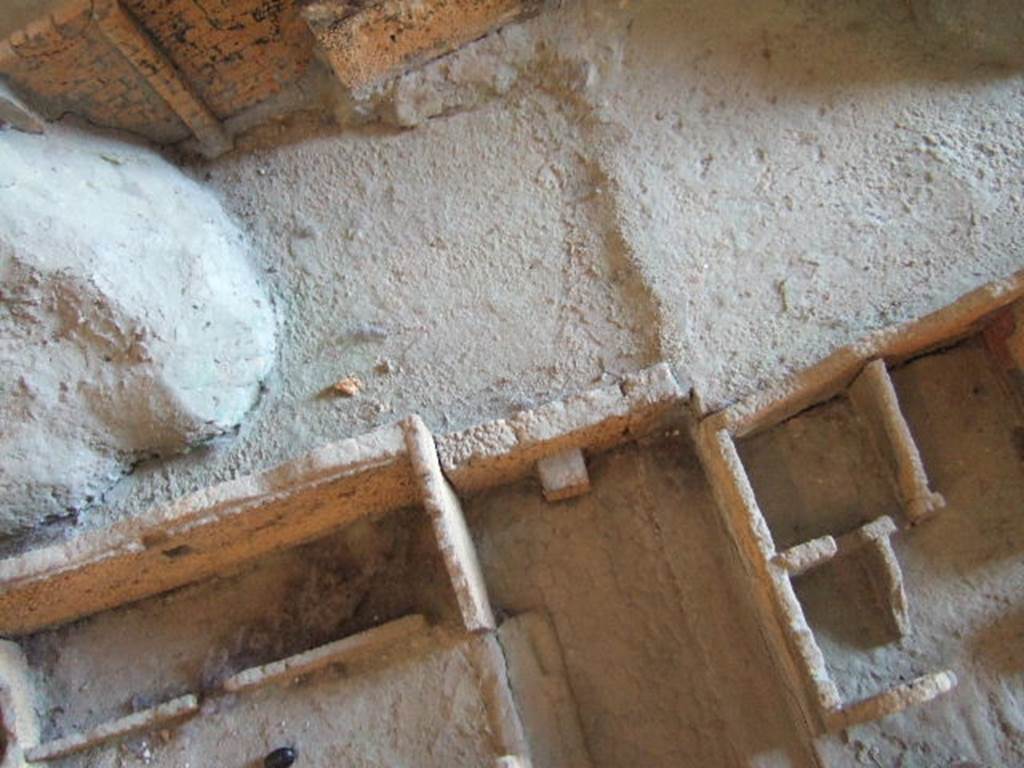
<point x="737" y="189"/>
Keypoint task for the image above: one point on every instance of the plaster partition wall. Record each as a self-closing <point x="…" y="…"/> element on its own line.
<point x="264" y="610"/>
<point x="888" y="618"/>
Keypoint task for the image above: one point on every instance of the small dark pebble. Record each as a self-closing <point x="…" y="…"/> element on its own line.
<point x="280" y="758"/>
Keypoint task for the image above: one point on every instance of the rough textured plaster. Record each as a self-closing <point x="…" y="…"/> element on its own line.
<point x="131" y="321"/>
<point x="739" y="188"/>
<point x="817" y="170"/>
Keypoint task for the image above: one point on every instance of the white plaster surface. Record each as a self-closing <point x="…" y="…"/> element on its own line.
<point x="131" y="323"/>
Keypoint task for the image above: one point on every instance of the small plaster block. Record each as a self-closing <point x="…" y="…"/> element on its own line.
<point x="564" y="475"/>
<point x="807" y="556"/>
<point x="880" y="528"/>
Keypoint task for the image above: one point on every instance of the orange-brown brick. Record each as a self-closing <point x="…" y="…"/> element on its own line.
<point x="366" y="43"/>
<point x="137" y="47"/>
<point x="70" y="66"/>
<point x="233" y="53"/>
<point x="200" y="63"/>
<point x="230" y="54"/>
